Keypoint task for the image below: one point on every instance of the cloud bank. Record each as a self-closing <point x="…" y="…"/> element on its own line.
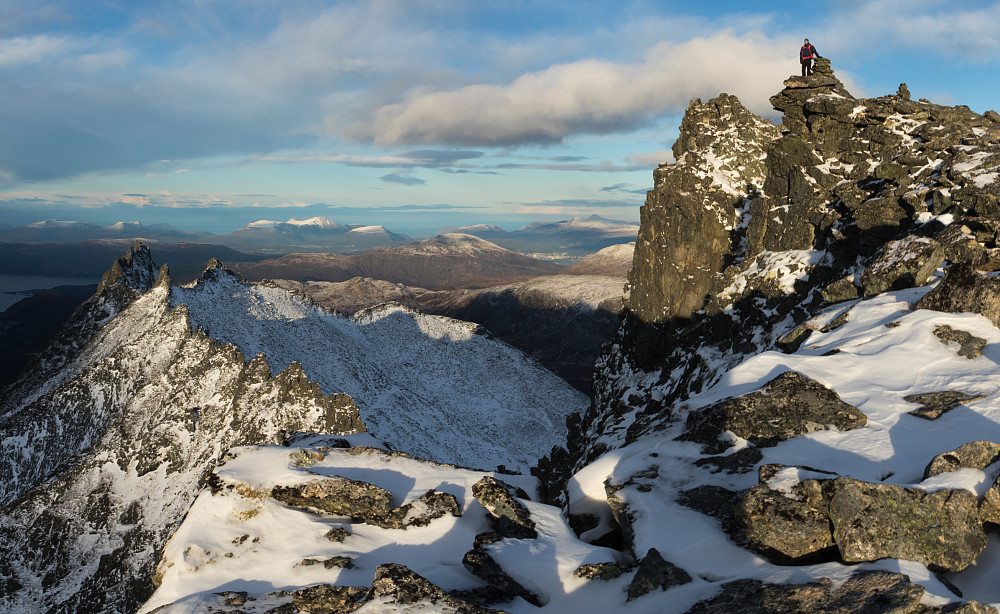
<point x="589" y="96"/>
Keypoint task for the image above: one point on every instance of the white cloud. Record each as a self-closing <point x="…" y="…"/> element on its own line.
<point x="24" y="50"/>
<point x="591" y="96"/>
<point x="970" y="33"/>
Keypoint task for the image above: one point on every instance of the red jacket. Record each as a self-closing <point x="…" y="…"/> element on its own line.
<point x="807" y="52"/>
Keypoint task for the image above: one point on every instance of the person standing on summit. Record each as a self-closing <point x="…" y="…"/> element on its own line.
<point x="806" y="55"/>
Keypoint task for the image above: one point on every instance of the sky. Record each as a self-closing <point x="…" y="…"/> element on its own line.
<point x="417" y="114"/>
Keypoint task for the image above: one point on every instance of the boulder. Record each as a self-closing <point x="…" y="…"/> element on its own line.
<point x="904" y="263"/>
<point x="964" y="289"/>
<point x="794" y="523"/>
<point x="940" y="529"/>
<point x="655" y="572"/>
<point x="935" y="404"/>
<point x="973" y="455"/>
<point x="511" y="518"/>
<point x="788" y="406"/>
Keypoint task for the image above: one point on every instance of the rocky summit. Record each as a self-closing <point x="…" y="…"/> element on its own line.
<point x="798" y="413"/>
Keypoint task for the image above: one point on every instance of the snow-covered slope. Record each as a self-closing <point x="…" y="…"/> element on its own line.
<point x="425" y="384"/>
<point x="882" y="351"/>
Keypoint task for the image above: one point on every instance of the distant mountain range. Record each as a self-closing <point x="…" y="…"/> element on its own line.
<point x="317" y="234"/>
<point x="565" y="242"/>
<point x="444" y="262"/>
<point x="62" y="231"/>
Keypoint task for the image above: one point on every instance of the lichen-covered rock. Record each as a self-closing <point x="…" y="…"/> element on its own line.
<point x="973" y="455"/>
<point x="601" y="571"/>
<point x="935" y="404"/>
<point x="793" y="522"/>
<point x="328" y="599"/>
<point x="969" y="345"/>
<point x="511" y="517"/>
<point x="871" y="592"/>
<point x="340" y="496"/>
<point x="655" y="572"/>
<point x="989" y="507"/>
<point x="940" y="529"/>
<point x="904" y="263"/>
<point x="402" y="586"/>
<point x="964" y="289"/>
<point x="788" y="406"/>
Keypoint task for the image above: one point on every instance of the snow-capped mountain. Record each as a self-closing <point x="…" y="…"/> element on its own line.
<point x="458" y="398"/>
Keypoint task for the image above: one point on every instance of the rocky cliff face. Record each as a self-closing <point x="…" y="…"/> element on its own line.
<point x="765" y="254"/>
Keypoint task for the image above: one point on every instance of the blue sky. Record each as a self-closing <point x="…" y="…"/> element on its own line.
<point x="208" y="114"/>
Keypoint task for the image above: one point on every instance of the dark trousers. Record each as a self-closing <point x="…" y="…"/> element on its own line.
<point x="807" y="67"/>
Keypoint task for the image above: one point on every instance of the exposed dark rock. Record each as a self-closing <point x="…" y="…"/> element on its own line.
<point x="741" y="461"/>
<point x="970" y="346"/>
<point x="905" y="263"/>
<point x="935" y="404"/>
<point x="973" y="455"/>
<point x="655" y="572"/>
<point x="964" y="289"/>
<point x="788" y="406"/>
<point x="717" y="502"/>
<point x="338" y="562"/>
<point x="405" y="587"/>
<point x="337" y="534"/>
<point x="841" y="290"/>
<point x="940" y="529"/>
<point x="510" y="516"/>
<point x="479" y="563"/>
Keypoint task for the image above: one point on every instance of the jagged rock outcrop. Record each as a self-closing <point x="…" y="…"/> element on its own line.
<point x="757" y="227"/>
<point x="112" y="450"/>
<point x="788" y="406"/>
